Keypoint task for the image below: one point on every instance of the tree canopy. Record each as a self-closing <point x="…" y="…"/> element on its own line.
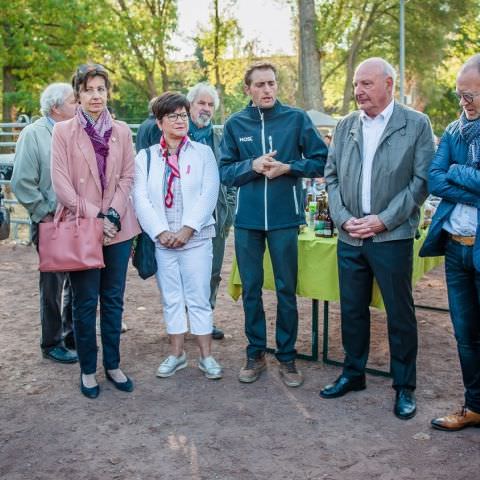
<point x="42" y="41"/>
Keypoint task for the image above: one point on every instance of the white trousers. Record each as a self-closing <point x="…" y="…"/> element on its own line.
<point x="183" y="277"/>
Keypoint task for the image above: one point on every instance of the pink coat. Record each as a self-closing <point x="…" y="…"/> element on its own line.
<point x="76" y="180"/>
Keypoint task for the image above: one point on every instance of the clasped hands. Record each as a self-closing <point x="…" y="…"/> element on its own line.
<point x="109" y="231"/>
<point x="175" y="239"/>
<point x="364" y="227"/>
<point x="268" y="166"/>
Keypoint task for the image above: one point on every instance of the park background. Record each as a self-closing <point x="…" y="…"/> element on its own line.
<point x="150" y="46"/>
<point x="187" y="427"/>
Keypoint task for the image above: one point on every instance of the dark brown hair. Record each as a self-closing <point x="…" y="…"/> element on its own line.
<point x="169" y="102"/>
<point x="247" y="79"/>
<point x="86" y="71"/>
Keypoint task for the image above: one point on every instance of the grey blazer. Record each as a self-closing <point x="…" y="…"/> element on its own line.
<point x="31" y="178"/>
<point x="399" y="173"/>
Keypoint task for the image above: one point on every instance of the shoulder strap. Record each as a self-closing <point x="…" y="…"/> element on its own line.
<point x="149" y="155"/>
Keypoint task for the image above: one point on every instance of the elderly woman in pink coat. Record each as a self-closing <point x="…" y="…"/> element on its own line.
<point x="93" y="170"/>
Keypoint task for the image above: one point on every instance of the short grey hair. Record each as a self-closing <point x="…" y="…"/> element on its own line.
<point x="388" y="69"/>
<point x="54" y="96"/>
<point x="150" y="105"/>
<point x="472" y="62"/>
<point x="203" y="87"/>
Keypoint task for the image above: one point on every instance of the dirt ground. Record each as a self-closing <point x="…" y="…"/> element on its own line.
<point x="187" y="427"/>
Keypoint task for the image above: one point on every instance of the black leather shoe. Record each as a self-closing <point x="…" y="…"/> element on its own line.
<point x="60" y="354"/>
<point x="89" y="392"/>
<point x="217" y="334"/>
<point x="123" y="386"/>
<point x="343" y="385"/>
<point x="405" y="404"/>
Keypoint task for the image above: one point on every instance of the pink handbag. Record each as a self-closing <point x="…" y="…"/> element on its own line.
<point x="70" y="245"/>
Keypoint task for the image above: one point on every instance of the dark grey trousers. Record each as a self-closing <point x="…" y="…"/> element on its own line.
<point x="391" y="264"/>
<point x="55" y="306"/>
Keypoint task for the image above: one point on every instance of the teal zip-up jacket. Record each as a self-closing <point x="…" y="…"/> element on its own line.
<point x="264" y="204"/>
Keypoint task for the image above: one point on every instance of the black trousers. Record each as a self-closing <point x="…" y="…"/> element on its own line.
<point x="55" y="306"/>
<point x="108" y="285"/>
<point x="391" y="264"/>
<point x="283" y="249"/>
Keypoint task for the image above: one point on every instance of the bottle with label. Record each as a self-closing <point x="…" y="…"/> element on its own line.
<point x="328" y="229"/>
<point x="312" y="210"/>
<point x="307" y="203"/>
<point x="321" y="218"/>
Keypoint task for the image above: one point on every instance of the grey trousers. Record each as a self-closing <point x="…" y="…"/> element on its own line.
<point x="218" y="246"/>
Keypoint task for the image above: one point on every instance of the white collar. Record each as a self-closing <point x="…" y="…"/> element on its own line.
<point x="384" y="115"/>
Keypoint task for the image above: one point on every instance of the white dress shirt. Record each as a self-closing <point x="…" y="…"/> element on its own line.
<point x="372" y="129"/>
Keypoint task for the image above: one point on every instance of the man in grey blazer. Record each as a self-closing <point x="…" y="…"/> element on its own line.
<point x="377" y="180"/>
<point x="32" y="185"/>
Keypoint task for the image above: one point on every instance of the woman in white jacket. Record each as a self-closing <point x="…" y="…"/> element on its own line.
<point x="174" y="202"/>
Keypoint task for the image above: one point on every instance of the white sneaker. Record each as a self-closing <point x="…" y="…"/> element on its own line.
<point x="210" y="367"/>
<point x="171" y="364"/>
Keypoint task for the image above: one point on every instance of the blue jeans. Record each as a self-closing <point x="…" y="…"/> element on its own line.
<point x="109" y="284"/>
<point x="463" y="283"/>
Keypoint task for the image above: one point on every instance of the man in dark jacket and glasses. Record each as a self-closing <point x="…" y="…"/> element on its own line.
<point x="455" y="177"/>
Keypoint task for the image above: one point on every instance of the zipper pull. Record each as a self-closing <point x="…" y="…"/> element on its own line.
<point x="271" y="143"/>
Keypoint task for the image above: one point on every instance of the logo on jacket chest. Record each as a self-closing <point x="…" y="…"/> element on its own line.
<point x="246" y="139"/>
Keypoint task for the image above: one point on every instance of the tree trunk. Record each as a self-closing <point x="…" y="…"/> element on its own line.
<point x="348" y="89"/>
<point x="310" y="67"/>
<point x="164" y="75"/>
<point x="216" y="60"/>
<point x="8" y="88"/>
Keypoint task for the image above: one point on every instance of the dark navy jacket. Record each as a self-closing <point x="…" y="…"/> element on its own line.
<point x="264" y="204"/>
<point x="455" y="182"/>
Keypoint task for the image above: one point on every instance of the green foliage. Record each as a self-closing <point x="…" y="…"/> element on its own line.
<point x="353" y="30"/>
<point x="42" y="41"/>
<point x="442" y="105"/>
<point x="39" y="42"/>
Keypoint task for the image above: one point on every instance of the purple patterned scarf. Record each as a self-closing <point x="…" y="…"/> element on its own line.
<point x="99" y="133"/>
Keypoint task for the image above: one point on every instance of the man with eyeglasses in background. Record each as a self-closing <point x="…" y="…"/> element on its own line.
<point x="455" y="177"/>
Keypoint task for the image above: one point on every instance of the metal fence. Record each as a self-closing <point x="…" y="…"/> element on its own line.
<point x="9" y="133"/>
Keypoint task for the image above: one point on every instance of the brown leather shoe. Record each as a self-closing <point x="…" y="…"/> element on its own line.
<point x="252" y="370"/>
<point x="290" y="375"/>
<point x="456" y="421"/>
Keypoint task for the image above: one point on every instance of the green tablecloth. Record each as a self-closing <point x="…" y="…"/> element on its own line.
<point x="318" y="273"/>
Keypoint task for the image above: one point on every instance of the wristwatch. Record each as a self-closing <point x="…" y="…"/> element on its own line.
<point x="114" y="217"/>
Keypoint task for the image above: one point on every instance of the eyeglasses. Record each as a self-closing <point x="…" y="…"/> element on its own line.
<point x="173" y="117"/>
<point x="468" y="97"/>
<point x="91" y="91"/>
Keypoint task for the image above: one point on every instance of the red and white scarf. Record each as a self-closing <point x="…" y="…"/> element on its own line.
<point x="172" y="169"/>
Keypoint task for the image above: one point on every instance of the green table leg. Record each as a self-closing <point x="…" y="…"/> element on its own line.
<point x="435" y="309"/>
<point x="328" y="361"/>
<point x="314" y="354"/>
